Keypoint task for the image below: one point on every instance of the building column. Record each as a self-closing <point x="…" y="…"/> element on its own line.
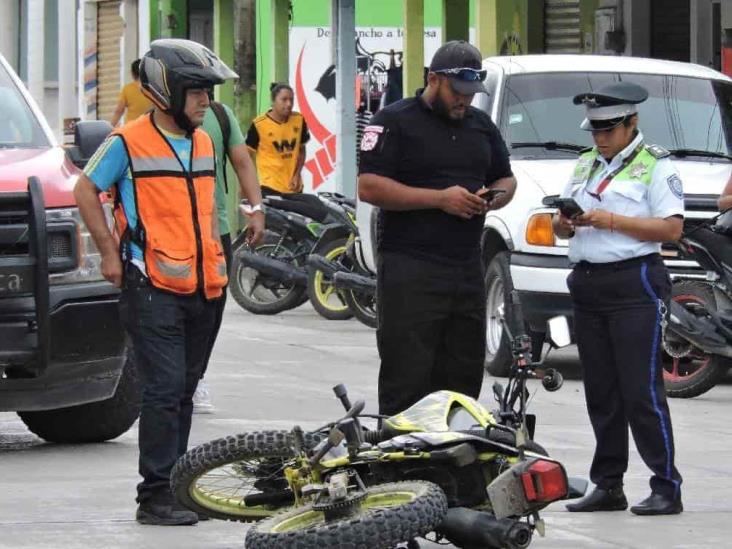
<point x="9" y="31"/>
<point x="34" y="49"/>
<point x="168" y="19"/>
<point x="486" y="32"/>
<point x="67" y="99"/>
<point x="701" y="32"/>
<point x="455" y="20"/>
<point x="413" y="66"/>
<point x="345" y="29"/>
<point x="280" y="40"/>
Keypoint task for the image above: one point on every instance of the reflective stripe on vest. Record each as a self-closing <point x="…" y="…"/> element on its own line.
<point x="177" y="223"/>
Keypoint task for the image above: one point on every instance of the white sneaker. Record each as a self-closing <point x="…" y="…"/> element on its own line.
<point x="202" y="399"/>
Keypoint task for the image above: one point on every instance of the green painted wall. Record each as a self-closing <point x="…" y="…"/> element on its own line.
<point x="159" y="11"/>
<point x="587" y="22"/>
<point x="502" y="26"/>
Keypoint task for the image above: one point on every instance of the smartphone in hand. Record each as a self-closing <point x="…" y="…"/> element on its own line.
<point x="569" y="207"/>
<point x="489" y="194"/>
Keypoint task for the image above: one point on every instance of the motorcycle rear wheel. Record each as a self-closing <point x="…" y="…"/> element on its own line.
<point x="390" y="514"/>
<point x="215" y="477"/>
<point x="260" y="294"/>
<point x="694" y="372"/>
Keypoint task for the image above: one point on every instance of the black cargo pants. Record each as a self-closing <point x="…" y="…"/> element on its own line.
<point x="431" y="333"/>
<point x="617" y="312"/>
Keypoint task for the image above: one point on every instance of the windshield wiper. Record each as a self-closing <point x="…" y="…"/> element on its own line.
<point x="681" y="153"/>
<point x="549" y="145"/>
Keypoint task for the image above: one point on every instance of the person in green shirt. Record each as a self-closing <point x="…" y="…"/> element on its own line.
<point x="238" y="154"/>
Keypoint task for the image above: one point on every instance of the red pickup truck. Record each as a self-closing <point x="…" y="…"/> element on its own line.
<point x="64" y="366"/>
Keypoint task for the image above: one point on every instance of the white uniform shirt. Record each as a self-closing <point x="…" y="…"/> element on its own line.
<point x="662" y="198"/>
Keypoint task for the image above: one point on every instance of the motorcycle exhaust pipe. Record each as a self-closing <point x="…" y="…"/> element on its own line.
<point x="326" y="266"/>
<point x="355" y="282"/>
<point x="274" y="268"/>
<point x="470" y="528"/>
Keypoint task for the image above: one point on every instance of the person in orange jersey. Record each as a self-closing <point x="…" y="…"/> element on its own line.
<point x="166" y="255"/>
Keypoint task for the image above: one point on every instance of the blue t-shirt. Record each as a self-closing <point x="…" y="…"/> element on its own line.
<point x="110" y="165"/>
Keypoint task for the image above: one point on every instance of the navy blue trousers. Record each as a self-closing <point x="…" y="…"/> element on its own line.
<point x="618" y="330"/>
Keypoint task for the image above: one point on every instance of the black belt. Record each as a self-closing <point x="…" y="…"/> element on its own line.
<point x="618" y="265"/>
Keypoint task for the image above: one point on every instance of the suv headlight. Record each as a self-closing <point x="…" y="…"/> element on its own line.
<point x="72" y="255"/>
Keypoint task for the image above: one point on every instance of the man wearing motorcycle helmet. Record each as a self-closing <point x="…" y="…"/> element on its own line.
<point x="166" y="254"/>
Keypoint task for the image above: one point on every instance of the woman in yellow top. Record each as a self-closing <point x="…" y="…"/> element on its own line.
<point x="278" y="138"/>
<point x="131" y="98"/>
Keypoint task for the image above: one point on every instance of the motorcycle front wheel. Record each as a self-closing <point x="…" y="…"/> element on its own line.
<point x="260" y="294"/>
<point x="217" y="478"/>
<point x="388" y="515"/>
<point x="363" y="307"/>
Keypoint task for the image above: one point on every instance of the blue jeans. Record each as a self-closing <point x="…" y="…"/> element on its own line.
<point x="170" y="335"/>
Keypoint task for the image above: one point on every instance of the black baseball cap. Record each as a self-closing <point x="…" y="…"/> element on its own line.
<point x="459" y="54"/>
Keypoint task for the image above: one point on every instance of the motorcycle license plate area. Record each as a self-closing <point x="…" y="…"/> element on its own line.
<point x="16" y="280"/>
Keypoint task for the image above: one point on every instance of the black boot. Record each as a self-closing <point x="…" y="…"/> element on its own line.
<point x="160" y="510"/>
<point x="658" y="504"/>
<point x="600" y="500"/>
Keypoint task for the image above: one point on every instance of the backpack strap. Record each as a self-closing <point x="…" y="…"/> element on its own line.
<point x="223" y="119"/>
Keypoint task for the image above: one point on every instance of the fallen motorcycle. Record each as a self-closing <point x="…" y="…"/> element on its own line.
<point x="698" y="337"/>
<point x="446" y="466"/>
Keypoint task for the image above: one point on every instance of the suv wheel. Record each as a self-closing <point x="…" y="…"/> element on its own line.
<point x="94" y="422"/>
<point x="498" y="292"/>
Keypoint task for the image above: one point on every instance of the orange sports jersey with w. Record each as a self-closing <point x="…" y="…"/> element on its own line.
<point x="277" y="145"/>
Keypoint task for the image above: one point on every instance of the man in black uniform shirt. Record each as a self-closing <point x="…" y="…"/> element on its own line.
<point x="427" y="162"/>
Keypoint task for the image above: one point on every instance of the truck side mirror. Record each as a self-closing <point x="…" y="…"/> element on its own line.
<point x="88" y="135"/>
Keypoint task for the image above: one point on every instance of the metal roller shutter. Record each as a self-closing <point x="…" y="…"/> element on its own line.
<point x="562" y="32"/>
<point x="110" y="28"/>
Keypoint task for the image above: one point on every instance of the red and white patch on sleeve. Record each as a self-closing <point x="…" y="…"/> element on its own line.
<point x="370" y="137"/>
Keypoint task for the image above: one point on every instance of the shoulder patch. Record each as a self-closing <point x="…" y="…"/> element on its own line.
<point x="657" y="151"/>
<point x="674" y="183"/>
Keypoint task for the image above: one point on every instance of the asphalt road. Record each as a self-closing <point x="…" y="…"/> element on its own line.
<point x="273" y="372"/>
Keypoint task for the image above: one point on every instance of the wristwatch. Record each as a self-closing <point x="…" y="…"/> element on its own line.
<point x="258" y="208"/>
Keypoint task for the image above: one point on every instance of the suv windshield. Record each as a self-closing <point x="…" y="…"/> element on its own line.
<point x="680" y="113"/>
<point x="19" y="128"/>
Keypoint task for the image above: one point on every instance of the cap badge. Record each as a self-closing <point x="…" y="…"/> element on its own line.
<point x="590" y="101"/>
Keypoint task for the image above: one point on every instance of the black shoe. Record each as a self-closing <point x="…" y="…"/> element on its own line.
<point x="658" y="504"/>
<point x="600" y="500"/>
<point x="177" y="506"/>
<point x="164" y="513"/>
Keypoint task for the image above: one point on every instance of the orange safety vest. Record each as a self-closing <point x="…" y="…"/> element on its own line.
<point x="176" y="212"/>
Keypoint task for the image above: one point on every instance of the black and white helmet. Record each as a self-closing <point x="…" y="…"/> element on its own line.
<point x="173" y="66"/>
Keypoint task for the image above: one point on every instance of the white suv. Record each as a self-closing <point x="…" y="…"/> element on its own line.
<point x="689" y="112"/>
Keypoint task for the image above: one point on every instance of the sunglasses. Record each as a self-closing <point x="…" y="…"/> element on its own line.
<point x="464" y="73"/>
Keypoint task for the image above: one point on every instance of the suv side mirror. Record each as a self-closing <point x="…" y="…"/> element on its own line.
<point x="88" y="135"/>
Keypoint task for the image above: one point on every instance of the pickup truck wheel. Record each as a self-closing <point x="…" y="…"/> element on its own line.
<point x="498" y="292"/>
<point x="94" y="422"/>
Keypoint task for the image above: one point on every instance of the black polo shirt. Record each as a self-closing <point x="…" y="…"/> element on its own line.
<point x="410" y="143"/>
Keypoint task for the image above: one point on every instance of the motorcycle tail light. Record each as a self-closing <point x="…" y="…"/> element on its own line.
<point x="544" y="481"/>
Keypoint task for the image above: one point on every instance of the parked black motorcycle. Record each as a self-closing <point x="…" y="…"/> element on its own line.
<point x="273" y="277"/>
<point x="698" y="336"/>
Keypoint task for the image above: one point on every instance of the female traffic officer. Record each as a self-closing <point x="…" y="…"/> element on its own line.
<point x="632" y="200"/>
